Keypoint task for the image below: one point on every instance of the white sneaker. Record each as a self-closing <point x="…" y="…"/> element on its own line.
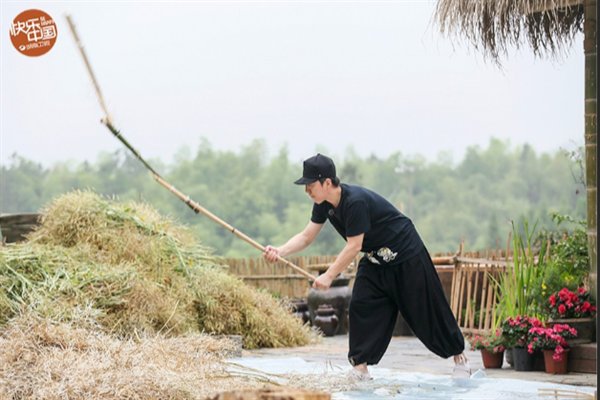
<point x="461" y="370"/>
<point x="358" y="376"/>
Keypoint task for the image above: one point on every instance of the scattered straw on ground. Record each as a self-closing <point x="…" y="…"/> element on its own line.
<point x="43" y="360"/>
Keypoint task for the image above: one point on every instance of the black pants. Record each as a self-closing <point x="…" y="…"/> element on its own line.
<point x="414" y="288"/>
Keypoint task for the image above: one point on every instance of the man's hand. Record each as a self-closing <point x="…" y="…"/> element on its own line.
<point x="271" y="253"/>
<point x="323" y="281"/>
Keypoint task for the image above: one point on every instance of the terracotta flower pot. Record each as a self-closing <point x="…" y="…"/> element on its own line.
<point x="555" y="366"/>
<point x="492" y="360"/>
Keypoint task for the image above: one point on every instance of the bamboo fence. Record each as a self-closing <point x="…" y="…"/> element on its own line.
<point x="282" y="282"/>
<point x="279" y="280"/>
<point x="474" y="295"/>
<point x="466" y="280"/>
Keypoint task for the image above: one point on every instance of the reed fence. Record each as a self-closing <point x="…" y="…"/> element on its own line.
<point x="281" y="281"/>
<point x="466" y="279"/>
<point x="474" y="294"/>
<point x="278" y="279"/>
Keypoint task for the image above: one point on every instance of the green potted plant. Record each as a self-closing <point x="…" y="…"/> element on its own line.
<point x="568" y="264"/>
<point x="517" y="287"/>
<point x="491" y="346"/>
<point x="516" y="291"/>
<point x="515" y="331"/>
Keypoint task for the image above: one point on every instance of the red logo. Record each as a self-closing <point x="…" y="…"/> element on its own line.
<point x="33" y="33"/>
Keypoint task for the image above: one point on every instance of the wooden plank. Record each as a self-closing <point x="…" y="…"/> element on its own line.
<point x="273" y="394"/>
<point x="456" y="297"/>
<point x="18" y="219"/>
<point x="472" y="331"/>
<point x="460" y="297"/>
<point x="483" y="304"/>
<point x="453" y="290"/>
<point x="490" y="305"/>
<point x="483" y="261"/>
<point x="468" y="319"/>
<point x="448" y="260"/>
<point x="474" y="296"/>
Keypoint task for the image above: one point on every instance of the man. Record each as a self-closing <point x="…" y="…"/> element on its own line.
<point x="395" y="273"/>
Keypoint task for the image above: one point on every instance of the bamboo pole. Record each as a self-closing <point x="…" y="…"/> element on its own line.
<point x="482" y="300"/>
<point x="186" y="199"/>
<point x="463" y="279"/>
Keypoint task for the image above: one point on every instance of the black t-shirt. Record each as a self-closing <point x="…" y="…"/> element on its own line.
<point x="363" y="211"/>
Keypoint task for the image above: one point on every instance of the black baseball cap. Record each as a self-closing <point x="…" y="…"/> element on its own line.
<point x="315" y="168"/>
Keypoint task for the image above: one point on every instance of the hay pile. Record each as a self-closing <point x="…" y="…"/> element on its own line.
<point x="128" y="271"/>
<point x="43" y="360"/>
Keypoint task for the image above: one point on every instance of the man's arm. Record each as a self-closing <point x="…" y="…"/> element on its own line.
<point x="297" y="243"/>
<point x="342" y="261"/>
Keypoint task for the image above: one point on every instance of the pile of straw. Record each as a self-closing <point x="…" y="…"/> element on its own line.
<point x="128" y="271"/>
<point x="43" y="360"/>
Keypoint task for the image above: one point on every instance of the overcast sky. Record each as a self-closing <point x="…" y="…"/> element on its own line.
<point x="377" y="76"/>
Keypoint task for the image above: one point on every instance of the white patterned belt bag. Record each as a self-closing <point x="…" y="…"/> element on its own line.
<point x="384" y="255"/>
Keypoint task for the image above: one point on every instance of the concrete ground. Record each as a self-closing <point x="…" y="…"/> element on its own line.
<point x="408" y="355"/>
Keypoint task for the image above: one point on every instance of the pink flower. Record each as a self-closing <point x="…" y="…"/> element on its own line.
<point x="559" y="352"/>
<point x="555" y="338"/>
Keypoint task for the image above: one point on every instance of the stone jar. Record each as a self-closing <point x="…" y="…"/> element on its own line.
<point x="300" y="310"/>
<point x="337" y="296"/>
<point x="326" y="320"/>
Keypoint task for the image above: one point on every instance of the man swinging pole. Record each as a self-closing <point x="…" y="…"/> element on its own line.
<point x="395" y="274"/>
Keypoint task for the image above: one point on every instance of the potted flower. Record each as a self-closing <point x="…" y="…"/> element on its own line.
<point x="576" y="309"/>
<point x="553" y="342"/>
<point x="515" y="331"/>
<point x="491" y="346"/>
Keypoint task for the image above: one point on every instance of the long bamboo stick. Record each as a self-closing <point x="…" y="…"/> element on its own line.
<point x="186" y="199"/>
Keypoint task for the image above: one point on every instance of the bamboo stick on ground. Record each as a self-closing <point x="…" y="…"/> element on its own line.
<point x="566" y="394"/>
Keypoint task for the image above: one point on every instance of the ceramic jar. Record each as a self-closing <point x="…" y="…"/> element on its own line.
<point x="300" y="310"/>
<point x="326" y="320"/>
<point x="337" y="296"/>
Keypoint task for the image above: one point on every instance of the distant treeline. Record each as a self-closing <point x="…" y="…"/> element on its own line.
<point x="474" y="200"/>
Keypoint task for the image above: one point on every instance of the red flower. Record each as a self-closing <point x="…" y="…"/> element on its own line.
<point x="568" y="304"/>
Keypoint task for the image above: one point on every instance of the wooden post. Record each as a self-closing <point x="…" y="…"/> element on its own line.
<point x="590" y="48"/>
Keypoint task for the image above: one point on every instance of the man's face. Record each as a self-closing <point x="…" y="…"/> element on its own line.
<point x="316" y="191"/>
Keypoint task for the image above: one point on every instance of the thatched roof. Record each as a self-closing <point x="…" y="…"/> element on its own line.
<point x="492" y="26"/>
